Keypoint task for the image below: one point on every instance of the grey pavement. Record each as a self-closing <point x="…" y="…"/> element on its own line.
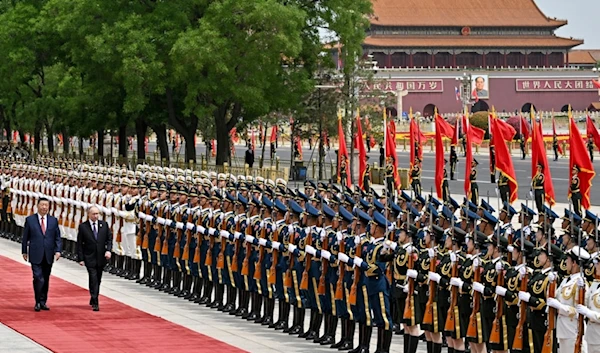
<point x="14" y="342"/>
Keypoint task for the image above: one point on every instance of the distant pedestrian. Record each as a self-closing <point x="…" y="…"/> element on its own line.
<point x="249" y="158"/>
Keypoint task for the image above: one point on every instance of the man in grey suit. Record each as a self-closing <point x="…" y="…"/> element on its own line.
<point x="41" y="245"/>
<point x="94" y="245"/>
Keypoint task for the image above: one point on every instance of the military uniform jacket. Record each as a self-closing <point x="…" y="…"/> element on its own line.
<point x="568" y="294"/>
<point x="537" y="286"/>
<point x="400" y="264"/>
<point x="376" y="280"/>
<point x="592" y="332"/>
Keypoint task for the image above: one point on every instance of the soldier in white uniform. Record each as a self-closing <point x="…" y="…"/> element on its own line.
<point x="131" y="250"/>
<point x="567" y="296"/>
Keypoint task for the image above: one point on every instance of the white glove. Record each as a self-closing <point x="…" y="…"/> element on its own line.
<point x="262" y="242"/>
<point x="405" y="289"/>
<point x="189" y="226"/>
<point x="356" y="239"/>
<point x="554" y="303"/>
<point x="456" y="282"/>
<point x="212" y="231"/>
<point x="393" y="245"/>
<point x="262" y="224"/>
<point x="249" y="238"/>
<point x="200" y="229"/>
<point x="452" y="256"/>
<point x="434" y="277"/>
<point x="501" y="291"/>
<point x="583" y="310"/>
<point x="141" y="215"/>
<point x="499" y="266"/>
<point x="325" y="254"/>
<point x="275" y="244"/>
<point x="291" y="229"/>
<point x="410" y="249"/>
<point x="310" y="250"/>
<point x="530" y="193"/>
<point x="476" y="262"/>
<point x="339" y="236"/>
<point x="551" y="276"/>
<point x="358" y="261"/>
<point x="160" y="220"/>
<point x="524" y="296"/>
<point x="108" y="211"/>
<point x="478" y="287"/>
<point x="224" y="234"/>
<point x="343" y="257"/>
<point x="411" y="273"/>
<point x="497" y="192"/>
<point x="431" y="253"/>
<point x="292" y="247"/>
<point x="580" y="282"/>
<point x="236" y="218"/>
<point x="238" y="235"/>
<point x="510" y="248"/>
<point x="148" y="218"/>
<point x="386" y="244"/>
<point x="179" y="225"/>
<point x="522" y="272"/>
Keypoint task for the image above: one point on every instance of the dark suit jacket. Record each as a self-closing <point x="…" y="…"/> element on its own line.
<point x="90" y="250"/>
<point x="38" y="243"/>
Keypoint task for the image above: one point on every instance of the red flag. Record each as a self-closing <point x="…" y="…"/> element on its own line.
<point x="146" y="143"/>
<point x="442" y="129"/>
<point x="253" y="140"/>
<point x="393" y="129"/>
<point x="343" y="152"/>
<point x="477" y="134"/>
<point x="299" y="146"/>
<point x="506" y="131"/>
<point x="469" y="157"/>
<point x="273" y="134"/>
<point x="504" y="163"/>
<point x="593" y="132"/>
<point x="524" y="128"/>
<point x="538" y="155"/>
<point x="213" y="147"/>
<point x="390" y="149"/>
<point x="560" y="150"/>
<point x="362" y="152"/>
<point x="416" y="142"/>
<point x="579" y="156"/>
<point x="455" y="137"/>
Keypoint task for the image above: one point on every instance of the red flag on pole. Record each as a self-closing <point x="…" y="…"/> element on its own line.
<point x="299" y="146"/>
<point x="343" y="151"/>
<point x="476" y="133"/>
<point x="504" y="162"/>
<point x="416" y="142"/>
<point x="579" y="156"/>
<point x="592" y="132"/>
<point x="362" y="152"/>
<point x="506" y="130"/>
<point x="390" y="149"/>
<point x="455" y="137"/>
<point x="524" y="128"/>
<point x="442" y="129"/>
<point x="538" y="155"/>
<point x="469" y="156"/>
<point x="560" y="150"/>
<point x="273" y="134"/>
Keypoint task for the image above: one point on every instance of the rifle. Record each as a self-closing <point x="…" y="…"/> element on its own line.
<point x="272" y="272"/>
<point x="159" y="229"/>
<point x="140" y="236"/>
<point x="308" y="260"/>
<point x="495" y="334"/>
<point x="221" y="257"/>
<point x="236" y="243"/>
<point x="200" y="238"/>
<point x="353" y="289"/>
<point x="188" y="238"/>
<point x="324" y="268"/>
<point x="119" y="234"/>
<point x="547" y="345"/>
<point x="580" y="300"/>
<point x="287" y="283"/>
<point x="339" y="289"/>
<point x="177" y="250"/>
<point x="72" y="210"/>
<point x="472" y="329"/>
<point x="245" y="264"/>
<point x="261" y="255"/>
<point x="450" y="325"/>
<point x="518" y="341"/>
<point x="147" y="227"/>
<point x="428" y="316"/>
<point x="165" y="244"/>
<point x="409" y="303"/>
<point x="211" y="243"/>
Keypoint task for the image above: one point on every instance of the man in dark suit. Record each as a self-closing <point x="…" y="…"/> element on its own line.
<point x="41" y="246"/>
<point x="94" y="245"/>
<point x="249" y="158"/>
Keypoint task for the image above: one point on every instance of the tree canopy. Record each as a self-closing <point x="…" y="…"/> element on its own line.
<point x="79" y="67"/>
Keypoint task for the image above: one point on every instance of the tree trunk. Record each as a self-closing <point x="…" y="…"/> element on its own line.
<point x="222" y="135"/>
<point x="161" y="137"/>
<point x="100" y="143"/>
<point x="80" y="147"/>
<point x="123" y="142"/>
<point x="37" y="135"/>
<point x="189" y="136"/>
<point x="50" y="136"/>
<point x="140" y="132"/>
<point x="66" y="142"/>
<point x="262" y="153"/>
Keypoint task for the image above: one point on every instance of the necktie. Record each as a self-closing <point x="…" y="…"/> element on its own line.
<point x="43" y="227"/>
<point x="94" y="230"/>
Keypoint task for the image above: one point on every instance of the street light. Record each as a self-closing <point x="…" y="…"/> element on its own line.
<point x="321" y="148"/>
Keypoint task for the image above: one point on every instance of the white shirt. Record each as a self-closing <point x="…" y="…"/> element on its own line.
<point x="45" y="218"/>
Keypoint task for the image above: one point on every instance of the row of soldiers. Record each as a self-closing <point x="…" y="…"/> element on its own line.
<point x="241" y="244"/>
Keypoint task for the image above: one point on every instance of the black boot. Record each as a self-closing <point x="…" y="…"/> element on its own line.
<point x="146" y="275"/>
<point x="244" y="311"/>
<point x="429" y="347"/>
<point x="316" y="329"/>
<point x="344" y="333"/>
<point x="387" y="341"/>
<point x="206" y="296"/>
<point x="166" y="281"/>
<point x="127" y="267"/>
<point x="269" y="309"/>
<point x="187" y="293"/>
<point x="194" y="294"/>
<point x="231" y="296"/>
<point x="176" y="289"/>
<point x="368" y="330"/>
<point x="326" y="318"/>
<point x="361" y="335"/>
<point x="413" y="344"/>
<point x="254" y="312"/>
<point x="198" y="285"/>
<point x="240" y="294"/>
<point x="156" y="281"/>
<point x="436" y="347"/>
<point x="406" y="342"/>
<point x="298" y="321"/>
<point x="330" y="331"/>
<point x="310" y="324"/>
<point x="218" y="302"/>
<point x="282" y="318"/>
<point x="135" y="273"/>
<point x="259" y="303"/>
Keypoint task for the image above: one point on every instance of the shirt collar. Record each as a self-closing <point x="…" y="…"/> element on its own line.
<point x="40" y="217"/>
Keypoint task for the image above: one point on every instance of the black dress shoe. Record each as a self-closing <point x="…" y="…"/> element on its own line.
<point x="267" y="321"/>
<point x="328" y="340"/>
<point x="203" y="301"/>
<point x="37" y="307"/>
<point x="193" y="298"/>
<point x="311" y="335"/>
<point x="346" y="346"/>
<point x="241" y="312"/>
<point x="295" y="330"/>
<point x="95" y="307"/>
<point x="252" y="317"/>
<point x="281" y="325"/>
<point x="43" y="306"/>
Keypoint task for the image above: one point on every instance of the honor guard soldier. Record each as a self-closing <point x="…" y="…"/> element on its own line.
<point x="537" y="186"/>
<point x="264" y="263"/>
<point x="568" y="295"/>
<point x="253" y="229"/>
<point x="591" y="311"/>
<point x="296" y="268"/>
<point x="280" y="263"/>
<point x="415" y="175"/>
<point x="503" y="187"/>
<point x="590" y="146"/>
<point x="312" y="272"/>
<point x="343" y="172"/>
<point x="194" y="284"/>
<point x="575" y="191"/>
<point x="522" y="146"/>
<point x="492" y="164"/>
<point x="204" y="241"/>
<point x="366" y="178"/>
<point x="474" y="187"/>
<point x="389" y="175"/>
<point x="445" y="186"/>
<point x="555" y="147"/>
<point x="453" y="161"/>
<point x="155" y="238"/>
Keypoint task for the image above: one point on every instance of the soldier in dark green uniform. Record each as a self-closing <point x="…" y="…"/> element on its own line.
<point x="575" y="191"/>
<point x="415" y="175"/>
<point x="503" y="188"/>
<point x="453" y="161"/>
<point x="537" y="186"/>
<point x="474" y="187"/>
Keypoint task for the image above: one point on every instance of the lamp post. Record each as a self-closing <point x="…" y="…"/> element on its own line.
<point x="321" y="148"/>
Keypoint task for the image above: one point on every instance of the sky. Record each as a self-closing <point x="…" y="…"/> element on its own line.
<point x="583" y="17"/>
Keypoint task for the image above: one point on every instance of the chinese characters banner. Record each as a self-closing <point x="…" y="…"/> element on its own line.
<point x="542" y="85"/>
<point x="408" y="85"/>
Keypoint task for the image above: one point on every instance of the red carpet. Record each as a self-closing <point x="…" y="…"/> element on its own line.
<point x="72" y="326"/>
